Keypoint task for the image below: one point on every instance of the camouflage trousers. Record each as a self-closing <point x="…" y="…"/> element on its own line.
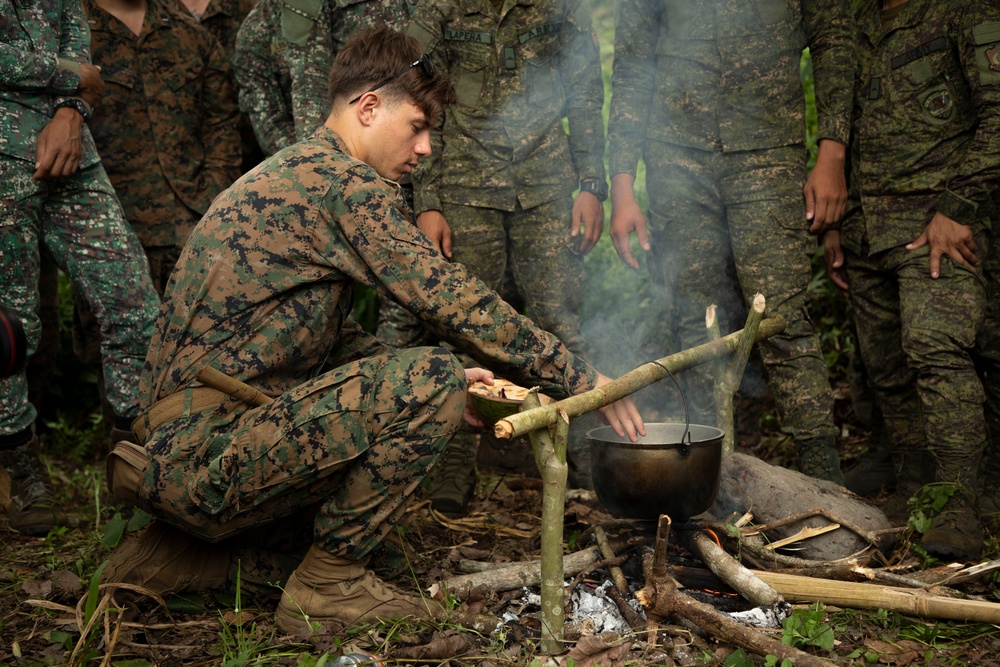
<point x="351" y="445"/>
<point x="724" y="227"/>
<point x="987" y="356"/>
<point x="78" y="219"/>
<point x="916" y="336"/>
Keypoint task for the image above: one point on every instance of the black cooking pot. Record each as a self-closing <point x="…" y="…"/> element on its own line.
<point x="674" y="469"/>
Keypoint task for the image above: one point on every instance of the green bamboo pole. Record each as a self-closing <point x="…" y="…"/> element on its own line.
<point x="645" y="375"/>
<point x="550" y="455"/>
<point x="729" y="383"/>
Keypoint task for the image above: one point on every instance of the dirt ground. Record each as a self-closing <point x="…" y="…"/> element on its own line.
<point x="47" y="617"/>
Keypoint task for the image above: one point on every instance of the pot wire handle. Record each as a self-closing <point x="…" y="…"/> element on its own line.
<point x="686" y="436"/>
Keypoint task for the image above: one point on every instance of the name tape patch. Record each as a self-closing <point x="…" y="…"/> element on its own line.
<point x="467" y="36"/>
<point x="925" y="49"/>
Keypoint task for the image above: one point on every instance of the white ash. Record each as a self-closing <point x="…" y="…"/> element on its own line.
<point x="769" y="617"/>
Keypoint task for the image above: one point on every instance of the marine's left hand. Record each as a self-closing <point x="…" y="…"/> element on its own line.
<point x="588" y="212"/>
<point x="825" y="190"/>
<point x="622" y="415"/>
<point x="476" y="375"/>
<point x="60" y="146"/>
<point x="947" y="237"/>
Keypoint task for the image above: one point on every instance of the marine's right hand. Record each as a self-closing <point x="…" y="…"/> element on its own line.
<point x="91" y="87"/>
<point x="626" y="218"/>
<point x="436" y="227"/>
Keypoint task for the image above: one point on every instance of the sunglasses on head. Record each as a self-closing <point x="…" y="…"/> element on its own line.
<point x="425" y="64"/>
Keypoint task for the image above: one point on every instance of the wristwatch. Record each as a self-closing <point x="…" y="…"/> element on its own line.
<point x="596" y="187"/>
<point x="77" y="105"/>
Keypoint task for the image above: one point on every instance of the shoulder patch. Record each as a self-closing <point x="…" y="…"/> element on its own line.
<point x="987" y="39"/>
<point x="986" y="33"/>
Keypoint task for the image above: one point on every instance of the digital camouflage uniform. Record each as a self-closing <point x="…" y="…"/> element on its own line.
<point x="223" y="19"/>
<point x="503" y="170"/>
<point x="283" y="55"/>
<point x="77" y="218"/>
<point x="926" y="140"/>
<point x="262" y="292"/>
<point x="709" y="94"/>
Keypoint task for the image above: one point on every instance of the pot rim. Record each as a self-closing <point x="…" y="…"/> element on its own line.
<point x="707" y="436"/>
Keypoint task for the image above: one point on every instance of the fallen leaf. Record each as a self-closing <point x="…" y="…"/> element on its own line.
<point x="438" y="648"/>
<point x="606" y="649"/>
<point x="38" y="589"/>
<point x="66" y="584"/>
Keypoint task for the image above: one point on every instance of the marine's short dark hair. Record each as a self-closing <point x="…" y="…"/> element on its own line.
<point x="374" y="54"/>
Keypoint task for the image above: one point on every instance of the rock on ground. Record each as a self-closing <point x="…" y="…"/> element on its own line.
<point x="771" y="493"/>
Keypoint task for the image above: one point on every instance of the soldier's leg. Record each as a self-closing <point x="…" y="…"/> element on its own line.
<point x="548" y="270"/>
<point x="875" y="470"/>
<point x="773" y="250"/>
<point x="988" y="364"/>
<point x="691" y="260"/>
<point x="940" y="319"/>
<point x="43" y="362"/>
<point x="353" y="443"/>
<point x="875" y="299"/>
<point x="22" y="201"/>
<point x="87" y="334"/>
<point x="479" y="242"/>
<point x="93" y="244"/>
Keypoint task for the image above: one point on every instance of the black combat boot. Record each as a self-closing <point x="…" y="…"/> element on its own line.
<point x="819" y="458"/>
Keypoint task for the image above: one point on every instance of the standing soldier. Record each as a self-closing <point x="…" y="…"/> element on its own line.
<point x="54" y="192"/>
<point x="167" y="130"/>
<point x="283" y="55"/>
<point x="709" y="94"/>
<point x="223" y="19"/>
<point x="497" y="192"/>
<point x="925" y="163"/>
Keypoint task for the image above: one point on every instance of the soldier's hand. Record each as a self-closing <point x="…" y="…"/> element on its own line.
<point x="834" y="256"/>
<point x="947" y="237"/>
<point x="470" y="416"/>
<point x="91" y="87"/>
<point x="622" y="415"/>
<point x="626" y="218"/>
<point x="60" y="146"/>
<point x="436" y="227"/>
<point x="588" y="212"/>
<point x="825" y="190"/>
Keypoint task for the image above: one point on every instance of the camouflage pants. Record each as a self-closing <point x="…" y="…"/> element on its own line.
<point x="79" y="220"/>
<point x="916" y="334"/>
<point x="987" y="353"/>
<point x="718" y="221"/>
<point x="352" y="444"/>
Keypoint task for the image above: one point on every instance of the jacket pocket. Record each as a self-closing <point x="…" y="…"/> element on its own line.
<point x="471" y="60"/>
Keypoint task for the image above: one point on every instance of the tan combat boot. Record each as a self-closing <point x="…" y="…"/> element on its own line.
<point x="32" y="509"/>
<point x="327" y="593"/>
<point x="166" y="560"/>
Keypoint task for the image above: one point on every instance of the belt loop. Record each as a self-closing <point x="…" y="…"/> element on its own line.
<point x="186" y="410"/>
